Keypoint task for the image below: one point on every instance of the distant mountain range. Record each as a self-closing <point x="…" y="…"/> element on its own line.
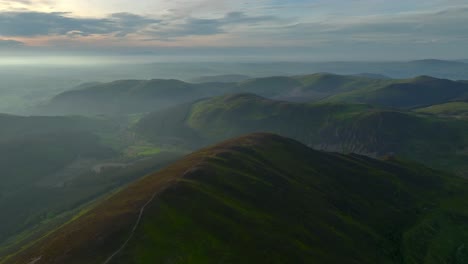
<point x="133" y="96"/>
<point x="230" y="78"/>
<point x="89" y="184"/>
<point x="267" y="199"/>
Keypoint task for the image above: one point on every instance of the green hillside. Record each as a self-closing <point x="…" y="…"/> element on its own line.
<point x="411" y="93"/>
<point x="454" y="109"/>
<point x="267" y="199"/>
<point x="269" y="86"/>
<point x="363" y="129"/>
<point x="333" y="83"/>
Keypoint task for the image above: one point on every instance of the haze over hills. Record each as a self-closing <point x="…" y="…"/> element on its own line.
<point x="346" y="125"/>
<point x="263" y="198"/>
<point x="132" y="96"/>
<point x="135" y="127"/>
<point x="24" y="85"/>
<point x="50" y="166"/>
<point x="229" y="78"/>
<point x="363" y="129"/>
<point x="13" y="126"/>
<point x="128" y="96"/>
<point x="34" y="151"/>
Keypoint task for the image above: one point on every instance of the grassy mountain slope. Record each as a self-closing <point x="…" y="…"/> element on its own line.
<point x="339" y="127"/>
<point x="269" y="86"/>
<point x="267" y="199"/>
<point x="411" y="93"/>
<point x="333" y="84"/>
<point x="454" y="109"/>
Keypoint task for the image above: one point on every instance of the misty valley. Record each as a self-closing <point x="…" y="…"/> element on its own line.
<point x="315" y="154"/>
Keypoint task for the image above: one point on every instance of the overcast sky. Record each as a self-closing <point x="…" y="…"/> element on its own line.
<point x="315" y="29"/>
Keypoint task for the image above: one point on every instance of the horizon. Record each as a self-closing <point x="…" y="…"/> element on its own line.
<point x="312" y="30"/>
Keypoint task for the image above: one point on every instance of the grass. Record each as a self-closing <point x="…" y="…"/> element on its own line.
<point x="454" y="109"/>
<point x="142" y="151"/>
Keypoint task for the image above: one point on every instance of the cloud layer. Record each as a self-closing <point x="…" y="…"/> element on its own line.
<point x="9" y="43"/>
<point x="329" y="26"/>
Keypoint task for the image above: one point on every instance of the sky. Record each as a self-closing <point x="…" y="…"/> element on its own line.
<point x="293" y="29"/>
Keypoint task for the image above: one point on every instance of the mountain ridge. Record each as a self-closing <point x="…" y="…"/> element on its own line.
<point x="229" y="198"/>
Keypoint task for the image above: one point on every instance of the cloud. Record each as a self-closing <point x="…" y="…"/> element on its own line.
<point x="9" y="43"/>
<point x="330" y="33"/>
<point x="205" y="27"/>
<point x="32" y="24"/>
<point x="404" y="28"/>
<point x="128" y="23"/>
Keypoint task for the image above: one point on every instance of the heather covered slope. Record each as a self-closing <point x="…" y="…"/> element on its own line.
<point x="358" y="128"/>
<point x="267" y="199"/>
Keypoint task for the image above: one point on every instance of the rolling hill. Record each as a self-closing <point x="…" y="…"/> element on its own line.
<point x="454" y="109"/>
<point x="136" y="96"/>
<point x="128" y="96"/>
<point x="229" y="78"/>
<point x="140" y="96"/>
<point x="363" y="129"/>
<point x="263" y="198"/>
<point x="412" y="93"/>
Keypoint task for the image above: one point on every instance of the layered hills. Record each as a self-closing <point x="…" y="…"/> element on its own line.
<point x="137" y="96"/>
<point x="128" y="96"/>
<point x="357" y="128"/>
<point x="263" y="198"/>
